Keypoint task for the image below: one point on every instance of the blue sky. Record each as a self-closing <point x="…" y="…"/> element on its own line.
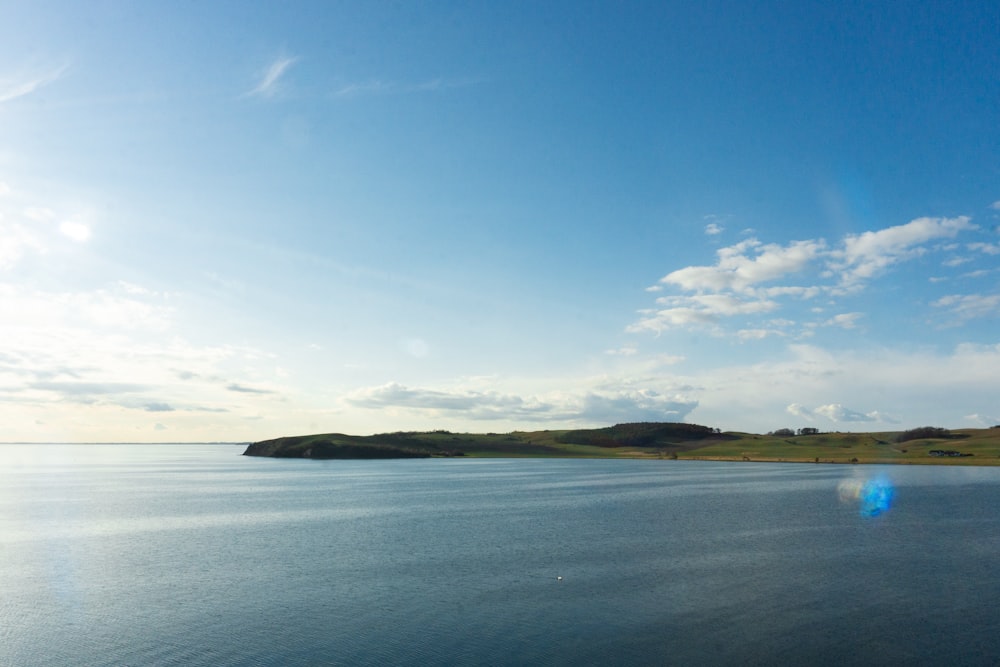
<point x="234" y="221"/>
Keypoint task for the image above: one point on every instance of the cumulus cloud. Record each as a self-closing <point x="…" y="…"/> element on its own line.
<point x="744" y="265"/>
<point x="838" y="413"/>
<point x="751" y="278"/>
<point x="864" y="256"/>
<point x="800" y="411"/>
<point x="835" y="412"/>
<point x="268" y="84"/>
<point x="713" y="229"/>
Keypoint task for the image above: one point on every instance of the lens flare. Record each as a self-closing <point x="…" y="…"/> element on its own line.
<point x="874" y="496"/>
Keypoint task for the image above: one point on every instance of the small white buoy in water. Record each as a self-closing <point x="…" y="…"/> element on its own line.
<point x="558" y="578"/>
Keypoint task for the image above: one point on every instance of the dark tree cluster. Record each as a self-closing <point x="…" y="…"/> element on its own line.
<point x="788" y="433"/>
<point x="638" y="434"/>
<point x="923" y="432"/>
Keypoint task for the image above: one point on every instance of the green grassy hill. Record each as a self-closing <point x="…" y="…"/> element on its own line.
<point x="654" y="440"/>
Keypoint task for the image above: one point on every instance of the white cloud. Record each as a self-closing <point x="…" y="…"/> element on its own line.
<point x="835" y="412"/>
<point x="624" y="351"/>
<point x="15" y="241"/>
<point x="39" y="214"/>
<point x="669" y="359"/>
<point x="593" y="406"/>
<point x="978" y="273"/>
<point x="987" y="248"/>
<point x="864" y="256"/>
<point x="15" y="86"/>
<point x="742" y="281"/>
<point x="883" y="385"/>
<point x="970" y="306"/>
<point x="995" y="206"/>
<point x="268" y="85"/>
<point x="702" y="309"/>
<point x="30" y="229"/>
<point x="75" y="230"/>
<point x="983" y="420"/>
<point x="713" y="229"/>
<point x="838" y="413"/>
<point x="757" y="334"/>
<point x="661" y="320"/>
<point x="744" y="265"/>
<point x="800" y="411"/>
<point x="844" y="320"/>
<point x="104" y="309"/>
<point x="86" y="365"/>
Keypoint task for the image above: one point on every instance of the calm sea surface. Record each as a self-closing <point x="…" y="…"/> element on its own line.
<point x="195" y="555"/>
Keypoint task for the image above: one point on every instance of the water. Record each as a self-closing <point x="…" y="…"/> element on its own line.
<point x="194" y="555"/>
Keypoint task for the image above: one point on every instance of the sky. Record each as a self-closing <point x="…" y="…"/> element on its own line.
<point x="232" y="221"/>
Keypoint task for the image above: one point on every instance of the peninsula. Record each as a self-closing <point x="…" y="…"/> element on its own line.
<point x="656" y="440"/>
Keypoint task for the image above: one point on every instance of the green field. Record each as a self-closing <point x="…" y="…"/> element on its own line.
<point x="650" y="440"/>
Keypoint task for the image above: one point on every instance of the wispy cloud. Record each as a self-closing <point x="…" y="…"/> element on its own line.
<point x="243" y="389"/>
<point x="29" y="229"/>
<point x="380" y="87"/>
<point x="268" y="84"/>
<point x="987" y="248"/>
<point x="13" y="87"/>
<point x="844" y="320"/>
<point x="758" y="334"/>
<point x="590" y="406"/>
<point x="970" y="306"/>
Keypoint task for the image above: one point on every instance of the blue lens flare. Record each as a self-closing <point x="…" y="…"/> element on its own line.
<point x="874" y="496"/>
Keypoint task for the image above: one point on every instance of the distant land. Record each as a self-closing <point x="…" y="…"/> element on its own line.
<point x="656" y="440"/>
